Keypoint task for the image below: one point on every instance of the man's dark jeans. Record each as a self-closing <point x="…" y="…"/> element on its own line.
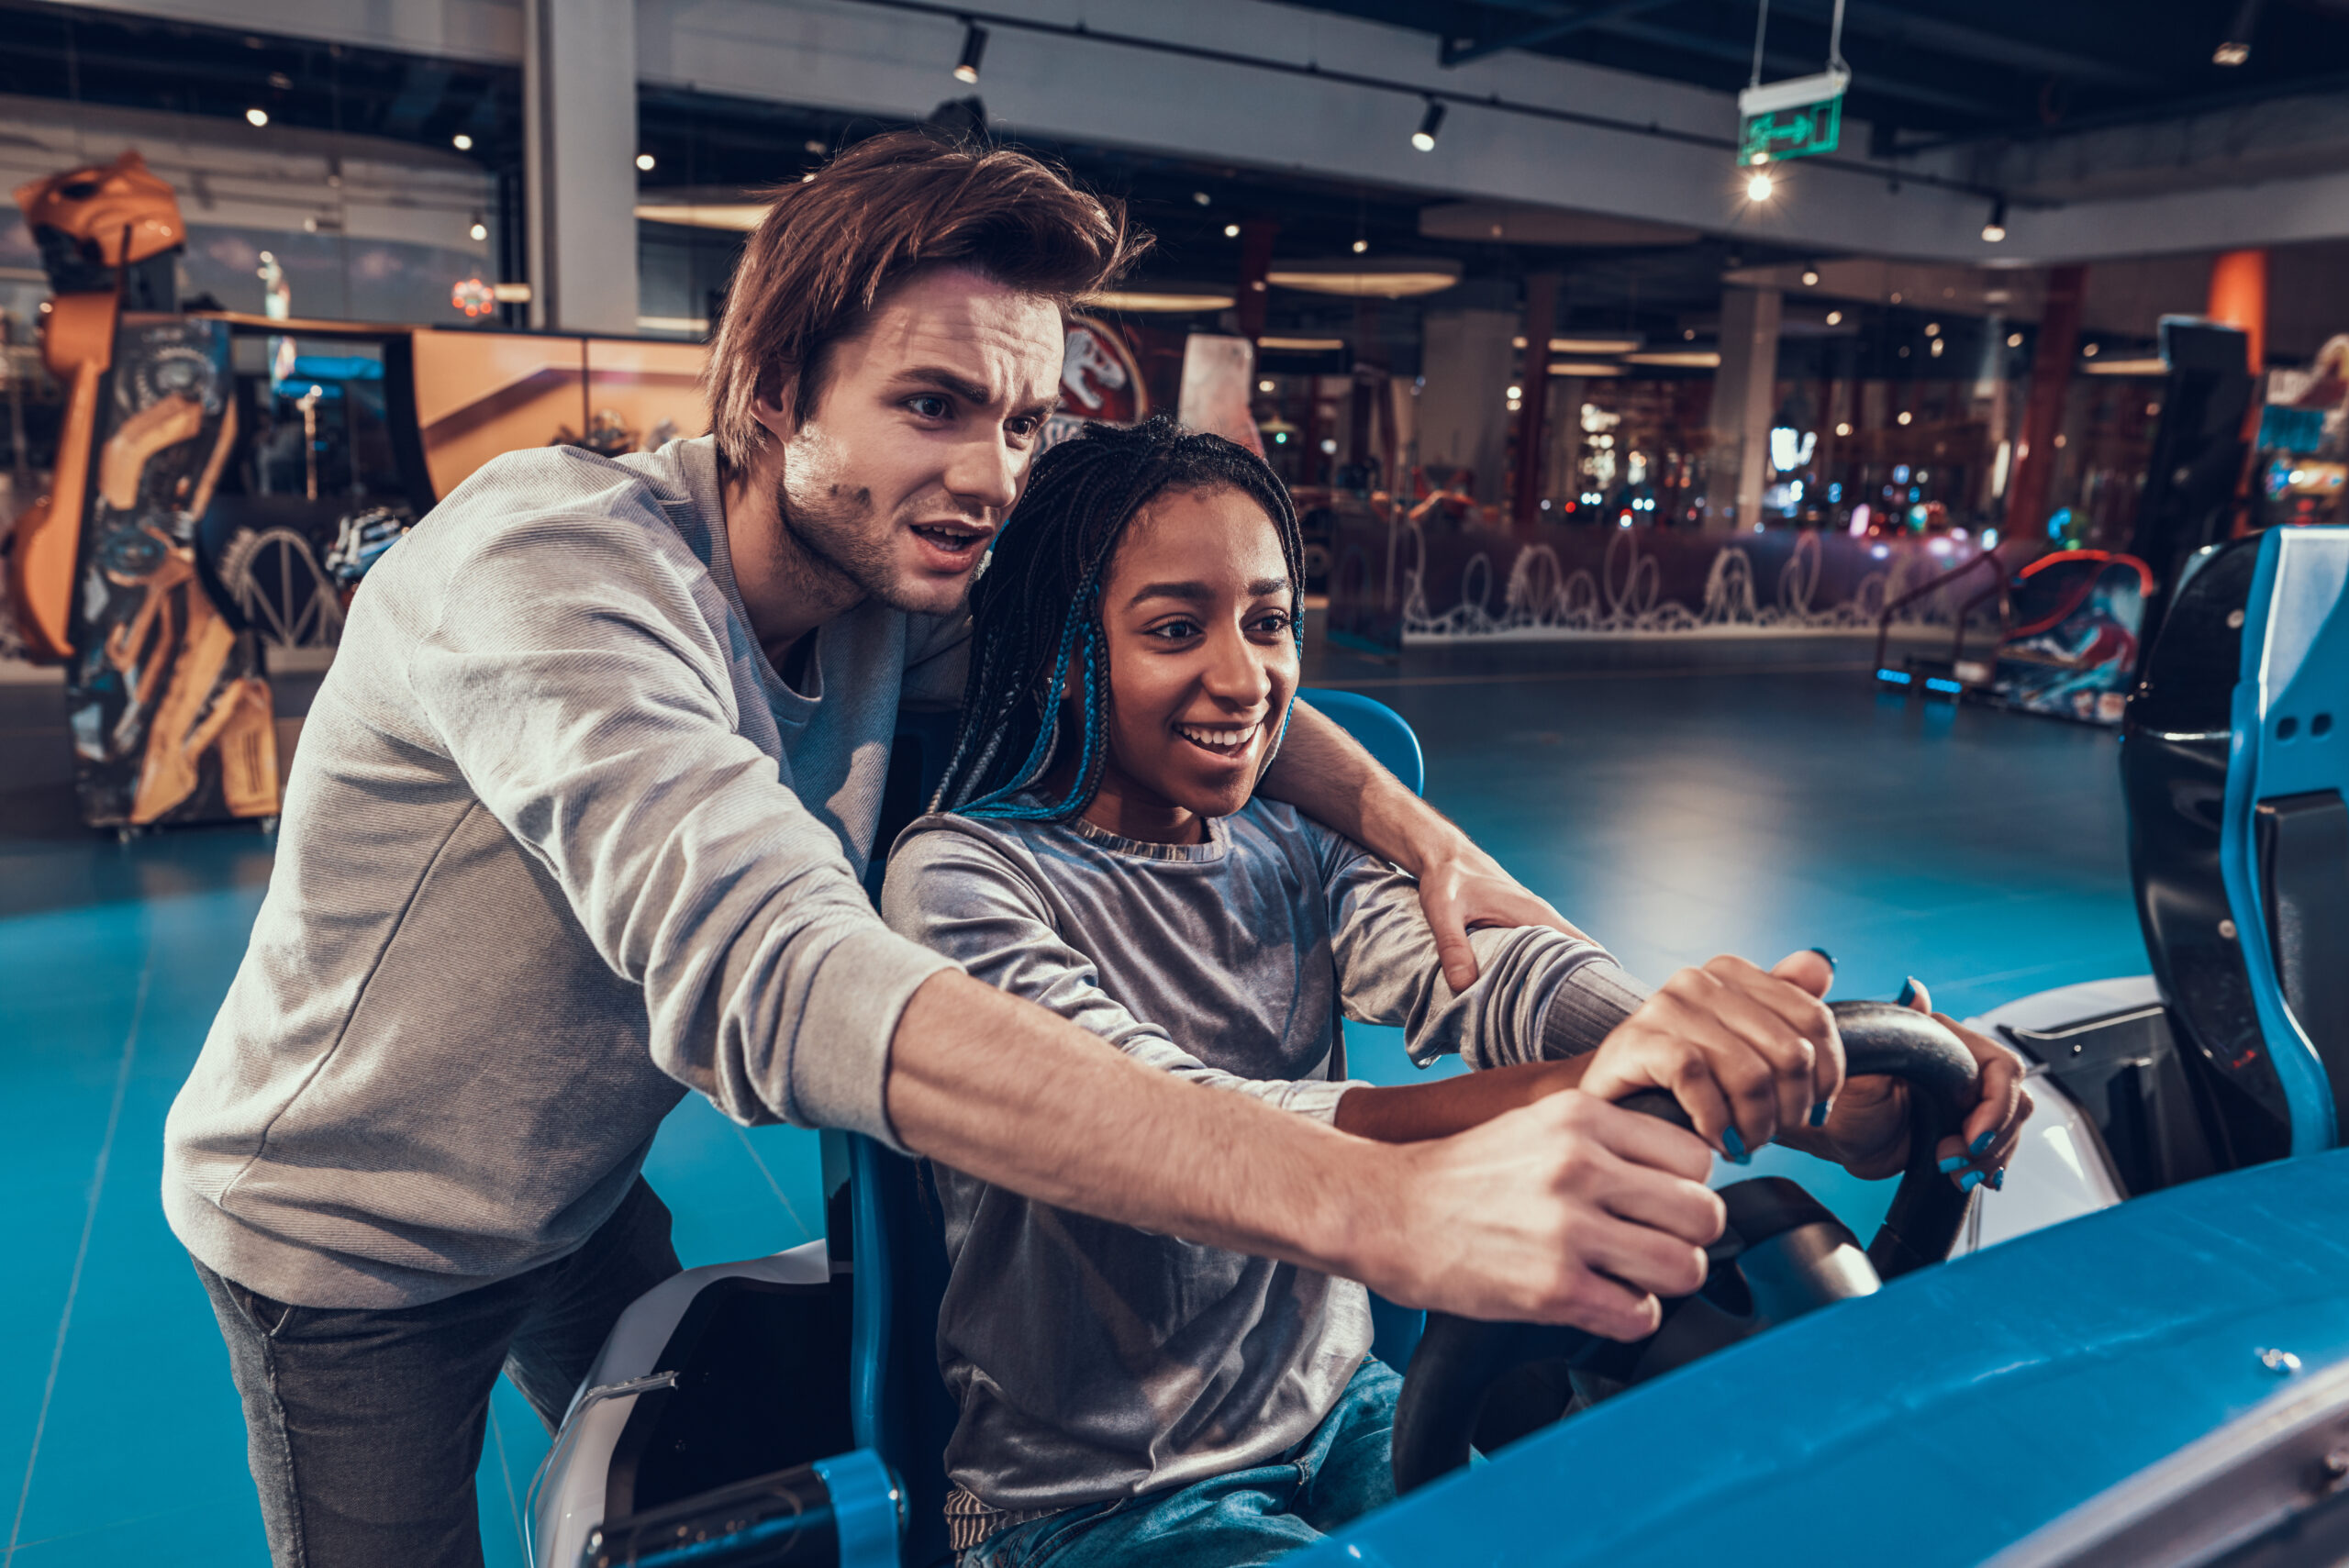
<point x="363" y="1427"/>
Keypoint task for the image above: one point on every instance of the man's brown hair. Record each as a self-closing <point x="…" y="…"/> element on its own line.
<point x="828" y="249"/>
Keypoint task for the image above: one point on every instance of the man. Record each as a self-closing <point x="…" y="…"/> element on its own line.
<point x="577" y="824"/>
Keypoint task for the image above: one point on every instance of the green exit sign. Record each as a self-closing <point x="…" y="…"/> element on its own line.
<point x="1796" y="132"/>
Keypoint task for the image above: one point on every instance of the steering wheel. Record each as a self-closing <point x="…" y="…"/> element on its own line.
<point x="1782" y="1255"/>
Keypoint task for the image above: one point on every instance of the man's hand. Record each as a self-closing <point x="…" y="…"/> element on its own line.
<point x="1867" y="1132"/>
<point x="1568" y="1210"/>
<point x="1324" y="774"/>
<point x="1462" y="888"/>
<point x="1751" y="1055"/>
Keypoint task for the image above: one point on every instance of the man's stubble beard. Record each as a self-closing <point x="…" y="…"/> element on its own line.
<point x="843" y="555"/>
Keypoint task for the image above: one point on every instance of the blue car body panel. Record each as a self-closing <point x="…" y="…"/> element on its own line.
<point x="1933" y="1423"/>
<point x="2295" y="648"/>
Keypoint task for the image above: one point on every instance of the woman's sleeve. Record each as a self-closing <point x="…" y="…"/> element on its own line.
<point x="1540" y="993"/>
<point x="965" y="898"/>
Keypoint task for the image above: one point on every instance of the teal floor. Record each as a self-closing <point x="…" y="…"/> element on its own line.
<point x="1766" y="802"/>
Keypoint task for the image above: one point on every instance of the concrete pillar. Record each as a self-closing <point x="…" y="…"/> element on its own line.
<point x="1744" y="394"/>
<point x="1467" y="360"/>
<point x="2042" y="409"/>
<point x="1256" y="262"/>
<point x="1534" y="416"/>
<point x="579" y="151"/>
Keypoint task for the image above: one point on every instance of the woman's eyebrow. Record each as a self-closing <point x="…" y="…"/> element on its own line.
<point x="1197" y="593"/>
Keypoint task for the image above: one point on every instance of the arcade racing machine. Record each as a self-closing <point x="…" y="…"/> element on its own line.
<point x="2164" y="1379"/>
<point x="222" y="481"/>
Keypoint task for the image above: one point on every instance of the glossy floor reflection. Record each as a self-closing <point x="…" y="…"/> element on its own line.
<point x="1768" y="802"/>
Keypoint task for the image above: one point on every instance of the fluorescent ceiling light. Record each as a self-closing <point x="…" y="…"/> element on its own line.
<point x="1301" y="345"/>
<point x="1361" y="278"/>
<point x="1158" y="301"/>
<point x="1594" y="345"/>
<point x="2126" y="367"/>
<point x="1684" y="359"/>
<point x="1581" y="367"/>
<point x="742" y="215"/>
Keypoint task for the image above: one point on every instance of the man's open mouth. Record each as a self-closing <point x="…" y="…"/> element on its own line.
<point x="957" y="540"/>
<point x="1223" y="740"/>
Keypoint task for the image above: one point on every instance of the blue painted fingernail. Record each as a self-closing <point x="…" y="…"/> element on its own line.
<point x="1818" y="1113"/>
<point x="1825" y="954"/>
<point x="1968" y="1181"/>
<point x="1981" y="1145"/>
<point x="1999" y="1180"/>
<point x="1908" y="991"/>
<point x="1952" y="1164"/>
<point x="1734" y="1148"/>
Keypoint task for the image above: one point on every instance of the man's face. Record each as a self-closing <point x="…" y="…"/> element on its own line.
<point x="920" y="440"/>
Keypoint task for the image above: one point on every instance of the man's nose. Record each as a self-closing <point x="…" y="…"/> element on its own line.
<point x="985" y="473"/>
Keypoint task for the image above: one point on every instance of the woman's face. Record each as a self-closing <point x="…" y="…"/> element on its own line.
<point x="1198" y="618"/>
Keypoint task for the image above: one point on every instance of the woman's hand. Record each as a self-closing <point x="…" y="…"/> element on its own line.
<point x="1868" y="1129"/>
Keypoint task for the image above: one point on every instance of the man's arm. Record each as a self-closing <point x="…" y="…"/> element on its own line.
<point x="1323" y="773"/>
<point x="1607" y="1207"/>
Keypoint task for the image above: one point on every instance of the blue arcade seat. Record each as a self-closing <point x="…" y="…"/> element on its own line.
<point x="2234" y="765"/>
<point x="885" y="1207"/>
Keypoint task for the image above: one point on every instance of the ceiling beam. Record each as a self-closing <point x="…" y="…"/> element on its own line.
<point x="1881" y="21"/>
<point x="1628" y="25"/>
<point x="1780" y="65"/>
<point x="1563" y="20"/>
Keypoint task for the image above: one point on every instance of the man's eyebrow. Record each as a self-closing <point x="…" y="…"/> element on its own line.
<point x="961" y="386"/>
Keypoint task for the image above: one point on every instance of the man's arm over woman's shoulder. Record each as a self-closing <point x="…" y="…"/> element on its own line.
<point x="1540" y="993"/>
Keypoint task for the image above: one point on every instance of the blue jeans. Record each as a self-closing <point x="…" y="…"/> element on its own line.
<point x="1343" y="1469"/>
<point x="363" y="1427"/>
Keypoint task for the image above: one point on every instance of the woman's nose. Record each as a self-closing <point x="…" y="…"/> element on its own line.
<point x="1236" y="670"/>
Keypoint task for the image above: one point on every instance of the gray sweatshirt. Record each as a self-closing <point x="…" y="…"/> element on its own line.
<point x="558" y="845"/>
<point x="1093" y="1360"/>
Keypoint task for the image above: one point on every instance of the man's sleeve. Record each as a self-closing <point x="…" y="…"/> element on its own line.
<point x="574" y="678"/>
<point x="962" y="896"/>
<point x="1539" y="993"/>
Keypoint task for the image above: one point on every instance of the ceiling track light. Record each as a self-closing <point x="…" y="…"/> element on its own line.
<point x="975" y="45"/>
<point x="2234" y="47"/>
<point x="1996" y="229"/>
<point x="1430" y="123"/>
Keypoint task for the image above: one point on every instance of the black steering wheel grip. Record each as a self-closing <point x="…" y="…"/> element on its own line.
<point x="1459" y="1358"/>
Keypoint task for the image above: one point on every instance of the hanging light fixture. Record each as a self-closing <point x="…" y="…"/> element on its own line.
<point x="975" y="44"/>
<point x="2234" y="47"/>
<point x="1996" y="229"/>
<point x="1430" y="123"/>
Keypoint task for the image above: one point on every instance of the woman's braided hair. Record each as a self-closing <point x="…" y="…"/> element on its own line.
<point x="1036" y="609"/>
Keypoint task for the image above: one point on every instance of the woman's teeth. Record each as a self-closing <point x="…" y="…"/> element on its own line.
<point x="1224" y="741"/>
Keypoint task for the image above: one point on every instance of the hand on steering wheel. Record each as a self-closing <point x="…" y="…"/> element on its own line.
<point x="1752" y="1055"/>
<point x="1868" y="1131"/>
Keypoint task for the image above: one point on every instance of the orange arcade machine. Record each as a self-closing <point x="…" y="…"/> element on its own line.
<point x="223" y="480"/>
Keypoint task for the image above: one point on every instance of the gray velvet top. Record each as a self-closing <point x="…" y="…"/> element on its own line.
<point x="1093" y="1360"/>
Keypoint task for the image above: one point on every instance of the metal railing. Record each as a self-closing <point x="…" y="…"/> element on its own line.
<point x="1996" y="588"/>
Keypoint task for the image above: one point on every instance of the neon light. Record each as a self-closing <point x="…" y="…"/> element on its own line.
<point x="1897" y="677"/>
<point x="1936" y="684"/>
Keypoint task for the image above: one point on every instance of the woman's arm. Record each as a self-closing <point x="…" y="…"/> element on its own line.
<point x="1410" y="1113"/>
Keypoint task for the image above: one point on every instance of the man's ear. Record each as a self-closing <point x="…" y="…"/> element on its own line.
<point x="772" y="407"/>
